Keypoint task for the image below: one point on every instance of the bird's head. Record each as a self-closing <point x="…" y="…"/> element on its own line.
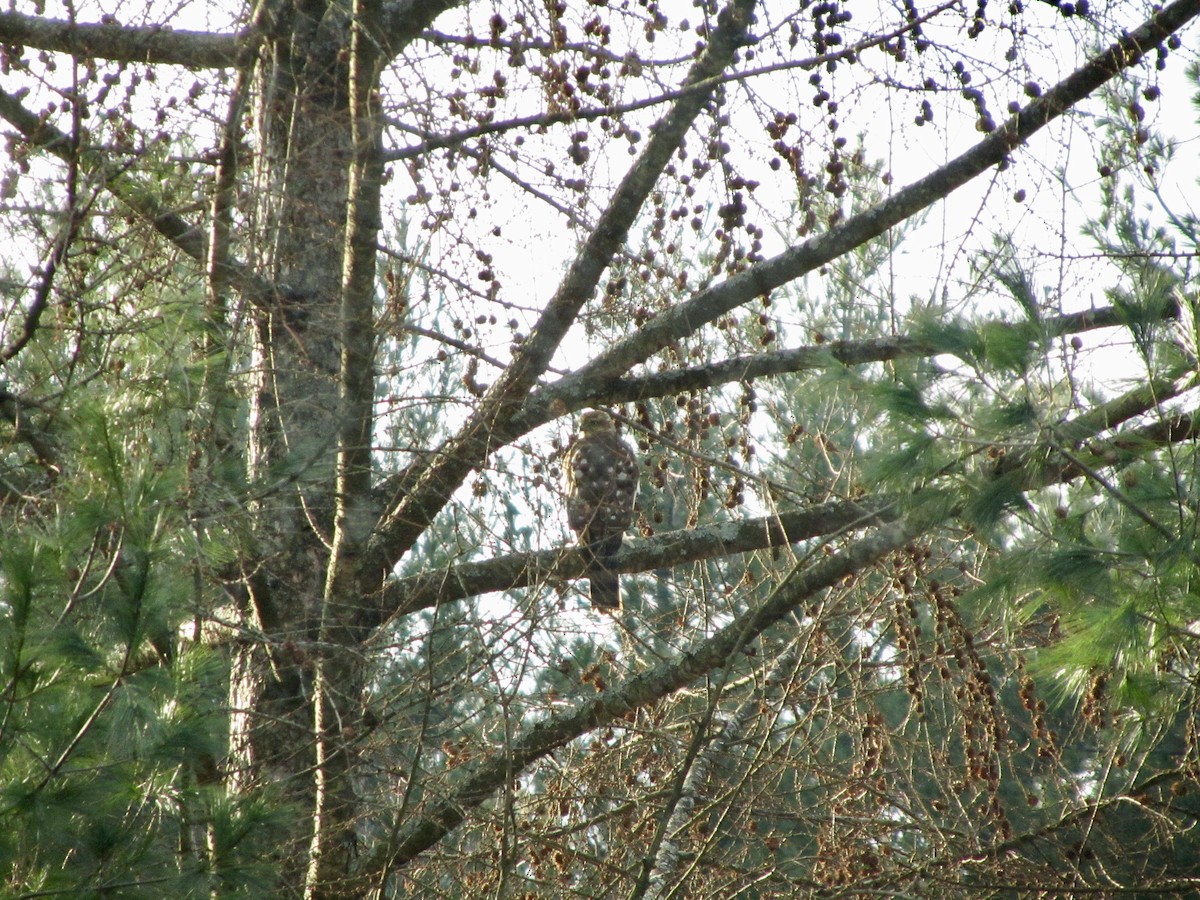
<point x="595" y="421"/>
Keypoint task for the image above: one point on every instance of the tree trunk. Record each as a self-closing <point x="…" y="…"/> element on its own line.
<point x="306" y="132"/>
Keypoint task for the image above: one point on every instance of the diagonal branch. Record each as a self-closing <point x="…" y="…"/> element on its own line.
<point x="45" y="283"/>
<point x="490" y="426"/>
<point x="929" y="510"/>
<point x="137" y="197"/>
<point x="598" y="380"/>
<point x="761" y="278"/>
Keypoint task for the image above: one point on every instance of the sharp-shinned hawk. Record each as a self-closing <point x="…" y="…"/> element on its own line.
<point x="602" y="476"/>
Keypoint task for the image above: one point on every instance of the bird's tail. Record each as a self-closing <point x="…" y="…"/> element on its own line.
<point x="605" y="588"/>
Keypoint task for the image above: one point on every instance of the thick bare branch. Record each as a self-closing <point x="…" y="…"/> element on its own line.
<point x="757" y="280"/>
<point x="929" y="510"/>
<point x="521" y="570"/>
<point x="490" y="426"/>
<point x="1041" y="464"/>
<point x="405" y="20"/>
<point x="598" y="379"/>
<point x="125" y="43"/>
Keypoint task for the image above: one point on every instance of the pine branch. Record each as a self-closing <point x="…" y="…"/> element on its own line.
<point x="1039" y="466"/>
<point x="928" y="511"/>
<point x="578" y="390"/>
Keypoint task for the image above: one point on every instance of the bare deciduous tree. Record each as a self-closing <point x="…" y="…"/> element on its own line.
<point x="314" y="296"/>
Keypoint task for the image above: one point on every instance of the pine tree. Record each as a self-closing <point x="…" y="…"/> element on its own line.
<point x="288" y="605"/>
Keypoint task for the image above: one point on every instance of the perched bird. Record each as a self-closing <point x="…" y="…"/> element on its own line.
<point x="602" y="477"/>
